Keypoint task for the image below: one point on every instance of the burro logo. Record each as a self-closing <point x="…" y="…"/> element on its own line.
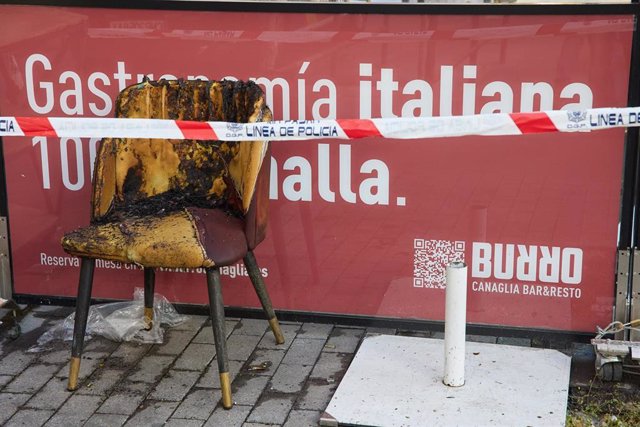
<point x="528" y="263"/>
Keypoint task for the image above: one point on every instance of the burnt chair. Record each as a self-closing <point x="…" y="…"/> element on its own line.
<point x="178" y="203"/>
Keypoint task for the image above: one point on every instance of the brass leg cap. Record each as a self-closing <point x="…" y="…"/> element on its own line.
<point x="148" y="318"/>
<point x="225" y="385"/>
<point x="74" y="370"/>
<point x="277" y="332"/>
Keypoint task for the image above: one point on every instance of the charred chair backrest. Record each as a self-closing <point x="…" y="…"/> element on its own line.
<point x="178" y="203"/>
<point x="152" y="176"/>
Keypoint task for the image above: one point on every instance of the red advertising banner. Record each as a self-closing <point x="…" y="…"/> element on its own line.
<point x="356" y="227"/>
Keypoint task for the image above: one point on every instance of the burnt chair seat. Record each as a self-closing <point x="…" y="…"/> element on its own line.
<point x="188" y="238"/>
<point x="178" y="203"/>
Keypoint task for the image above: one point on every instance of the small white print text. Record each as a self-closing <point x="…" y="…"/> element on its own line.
<point x="526" y="289"/>
<point x="233" y="271"/>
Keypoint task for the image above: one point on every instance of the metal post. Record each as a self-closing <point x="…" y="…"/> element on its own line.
<point x="455" y="320"/>
<point x="629" y="215"/>
<point x="621" y="313"/>
<point x="5" y="261"/>
<point x="6" y="285"/>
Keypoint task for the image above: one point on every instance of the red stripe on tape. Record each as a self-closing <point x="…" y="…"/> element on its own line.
<point x="196" y="130"/>
<point x="355" y="128"/>
<point x="36" y="126"/>
<point x="533" y="122"/>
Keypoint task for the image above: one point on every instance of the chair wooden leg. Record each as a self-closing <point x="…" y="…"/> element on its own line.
<point x="82" y="313"/>
<point x="216" y="309"/>
<point x="149" y="286"/>
<point x="261" y="290"/>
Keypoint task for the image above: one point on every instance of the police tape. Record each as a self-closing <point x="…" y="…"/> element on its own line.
<point x="393" y="128"/>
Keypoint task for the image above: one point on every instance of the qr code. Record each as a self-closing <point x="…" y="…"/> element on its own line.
<point x="430" y="259"/>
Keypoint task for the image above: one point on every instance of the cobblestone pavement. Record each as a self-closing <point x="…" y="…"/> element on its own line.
<point x="176" y="383"/>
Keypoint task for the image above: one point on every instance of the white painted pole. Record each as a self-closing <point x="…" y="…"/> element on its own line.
<point x="455" y="323"/>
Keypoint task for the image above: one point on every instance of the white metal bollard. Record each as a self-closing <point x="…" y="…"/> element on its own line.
<point x="455" y="324"/>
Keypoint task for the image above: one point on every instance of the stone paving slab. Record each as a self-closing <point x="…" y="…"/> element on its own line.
<point x="522" y="342"/>
<point x="51" y="396"/>
<point x="233" y="418"/>
<point x="251" y="327"/>
<point x="303" y="351"/>
<point x="67" y="419"/>
<point x="290" y="378"/>
<point x="125" y="399"/>
<point x="247" y="389"/>
<point x="298" y="418"/>
<point x="193" y="323"/>
<point x="31" y="379"/>
<point x="154" y="413"/>
<point x="177" y="383"/>
<point x="4" y="379"/>
<point x="240" y="347"/>
<point x="151" y="369"/>
<point x="88" y="364"/>
<point x="272" y="409"/>
<point x="198" y="405"/>
<point x="481" y="338"/>
<point x="331" y="366"/>
<point x="382" y="331"/>
<point x="29" y="417"/>
<point x="316" y="331"/>
<point x="264" y="361"/>
<point x="127" y="354"/>
<point x="268" y="341"/>
<point x="15" y="362"/>
<point x="179" y="422"/>
<point x="100" y="345"/>
<point x="344" y="340"/>
<point x="205" y="335"/>
<point x="102" y="381"/>
<point x="195" y="357"/>
<point x="499" y="389"/>
<point x="80" y="405"/>
<point x="104" y="420"/>
<point x="9" y="404"/>
<point x="175" y="341"/>
<point x="316" y="394"/>
<point x="57" y="357"/>
<point x="211" y="377"/>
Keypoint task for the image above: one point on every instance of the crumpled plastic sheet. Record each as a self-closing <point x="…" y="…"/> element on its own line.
<point x="118" y="321"/>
